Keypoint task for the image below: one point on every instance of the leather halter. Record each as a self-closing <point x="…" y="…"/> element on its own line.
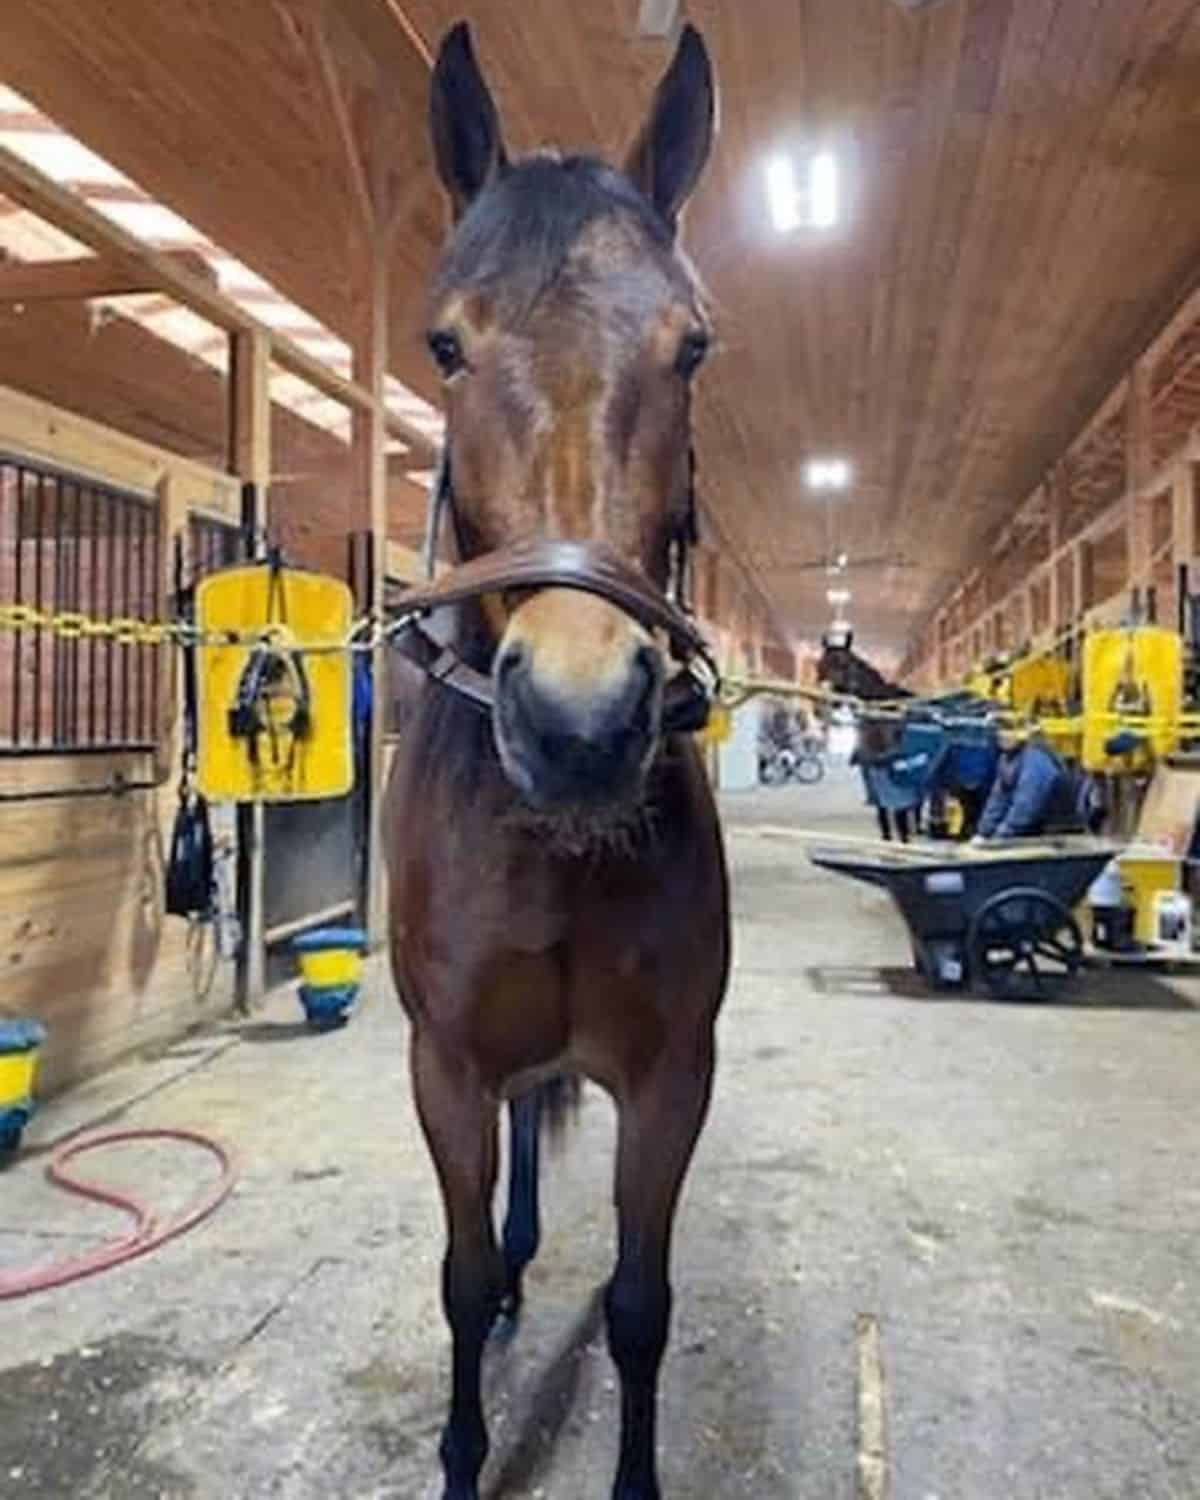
<point x="591" y="566"/>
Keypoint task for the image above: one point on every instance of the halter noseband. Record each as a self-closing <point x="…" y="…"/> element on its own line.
<point x="592" y="567"/>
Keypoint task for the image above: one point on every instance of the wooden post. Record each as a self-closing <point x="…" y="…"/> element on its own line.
<point x="172" y="525"/>
<point x="370" y="500"/>
<point x="1056" y="512"/>
<point x="250" y="459"/>
<point x="1080" y="573"/>
<point x="1185" y="523"/>
<point x="1138" y="467"/>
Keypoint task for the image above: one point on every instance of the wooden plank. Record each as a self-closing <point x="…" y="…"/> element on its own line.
<point x="1185" y="517"/>
<point x="39" y="430"/>
<point x="85" y="277"/>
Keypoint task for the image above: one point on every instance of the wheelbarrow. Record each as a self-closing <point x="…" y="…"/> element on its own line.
<point x="1001" y="916"/>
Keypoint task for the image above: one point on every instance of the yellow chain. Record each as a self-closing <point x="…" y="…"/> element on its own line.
<point x="365" y="634"/>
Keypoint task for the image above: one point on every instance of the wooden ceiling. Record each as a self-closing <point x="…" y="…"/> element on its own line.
<point x="1023" y="212"/>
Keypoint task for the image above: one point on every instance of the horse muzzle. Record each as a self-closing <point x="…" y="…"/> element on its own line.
<point x="564" y="746"/>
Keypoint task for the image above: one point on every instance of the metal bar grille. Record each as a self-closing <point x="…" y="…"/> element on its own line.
<point x="68" y="543"/>
<point x="212" y="545"/>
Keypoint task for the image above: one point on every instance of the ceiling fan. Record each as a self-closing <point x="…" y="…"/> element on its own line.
<point x="838" y="563"/>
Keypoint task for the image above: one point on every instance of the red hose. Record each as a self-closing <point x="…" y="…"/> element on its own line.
<point x="148" y="1234"/>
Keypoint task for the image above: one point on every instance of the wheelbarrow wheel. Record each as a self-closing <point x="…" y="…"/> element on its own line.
<point x="1024" y="944"/>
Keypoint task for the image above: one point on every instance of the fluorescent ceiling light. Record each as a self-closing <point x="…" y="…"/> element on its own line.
<point x="149" y="221"/>
<point x="838" y="596"/>
<point x="61" y="157"/>
<point x="284" y="315"/>
<point x="823" y="191"/>
<point x="827" y="474"/>
<point x="322" y="346"/>
<point x="783" y="194"/>
<point x="816" y="205"/>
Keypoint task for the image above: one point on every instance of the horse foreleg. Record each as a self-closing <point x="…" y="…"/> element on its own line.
<point x="659" y="1124"/>
<point x="459" y="1122"/>
<point x="522" y="1223"/>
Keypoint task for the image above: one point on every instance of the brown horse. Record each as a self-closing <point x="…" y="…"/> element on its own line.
<point x="558" y="891"/>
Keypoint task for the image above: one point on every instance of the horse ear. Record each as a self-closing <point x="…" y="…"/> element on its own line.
<point x="670" y="153"/>
<point x="463" y="121"/>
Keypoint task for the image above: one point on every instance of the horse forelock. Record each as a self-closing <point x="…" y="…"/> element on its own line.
<point x="516" y="240"/>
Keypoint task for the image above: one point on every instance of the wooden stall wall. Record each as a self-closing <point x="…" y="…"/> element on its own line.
<point x="85" y="946"/>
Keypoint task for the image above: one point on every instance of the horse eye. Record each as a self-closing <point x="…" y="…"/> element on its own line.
<point x="691" y="354"/>
<point x="447" y="351"/>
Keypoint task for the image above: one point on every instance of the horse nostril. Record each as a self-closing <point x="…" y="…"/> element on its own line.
<point x="647" y="674"/>
<point x="508" y="662"/>
<point x="646" y="657"/>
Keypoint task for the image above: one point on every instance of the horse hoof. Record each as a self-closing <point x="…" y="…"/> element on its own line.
<point x="507" y="1324"/>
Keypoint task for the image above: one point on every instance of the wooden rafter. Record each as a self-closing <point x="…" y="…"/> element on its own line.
<point x="313" y="23"/>
<point x="87" y="276"/>
<point x="37" y="193"/>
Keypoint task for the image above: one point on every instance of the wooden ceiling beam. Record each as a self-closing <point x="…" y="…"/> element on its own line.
<point x="37" y="193"/>
<point x="86" y="276"/>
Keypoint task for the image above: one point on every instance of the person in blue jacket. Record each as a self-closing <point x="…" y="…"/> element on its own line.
<point x="1032" y="793"/>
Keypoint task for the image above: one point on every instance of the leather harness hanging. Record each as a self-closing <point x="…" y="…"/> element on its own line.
<point x="591" y="566"/>
<point x="272" y="673"/>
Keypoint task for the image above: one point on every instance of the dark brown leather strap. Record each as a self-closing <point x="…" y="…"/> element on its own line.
<point x="541" y="562"/>
<point x="443" y="664"/>
<point x="686" y="699"/>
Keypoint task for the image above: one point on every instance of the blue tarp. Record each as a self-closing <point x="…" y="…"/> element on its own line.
<point x="932" y="758"/>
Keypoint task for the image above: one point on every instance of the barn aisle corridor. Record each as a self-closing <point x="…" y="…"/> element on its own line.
<point x="1007" y="1194"/>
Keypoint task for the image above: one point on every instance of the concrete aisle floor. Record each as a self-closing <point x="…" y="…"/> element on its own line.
<point x="1010" y="1192"/>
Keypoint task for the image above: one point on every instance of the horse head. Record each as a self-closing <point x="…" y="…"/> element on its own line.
<point x="567" y="328"/>
<point x="837" y="666"/>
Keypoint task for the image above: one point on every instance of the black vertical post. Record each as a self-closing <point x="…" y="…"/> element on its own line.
<point x="245" y="810"/>
<point x="366" y="770"/>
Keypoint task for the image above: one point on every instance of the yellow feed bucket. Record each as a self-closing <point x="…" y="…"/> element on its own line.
<point x="1145" y="872"/>
<point x="331" y="966"/>
<point x="17" y="1070"/>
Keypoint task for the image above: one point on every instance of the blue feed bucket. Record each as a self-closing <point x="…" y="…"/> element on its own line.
<point x="331" y="973"/>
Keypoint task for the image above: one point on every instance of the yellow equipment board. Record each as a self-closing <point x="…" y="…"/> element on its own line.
<point x="274" y="723"/>
<point x="1132" y="679"/>
<point x="1040" y="685"/>
<point x="719" y="726"/>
